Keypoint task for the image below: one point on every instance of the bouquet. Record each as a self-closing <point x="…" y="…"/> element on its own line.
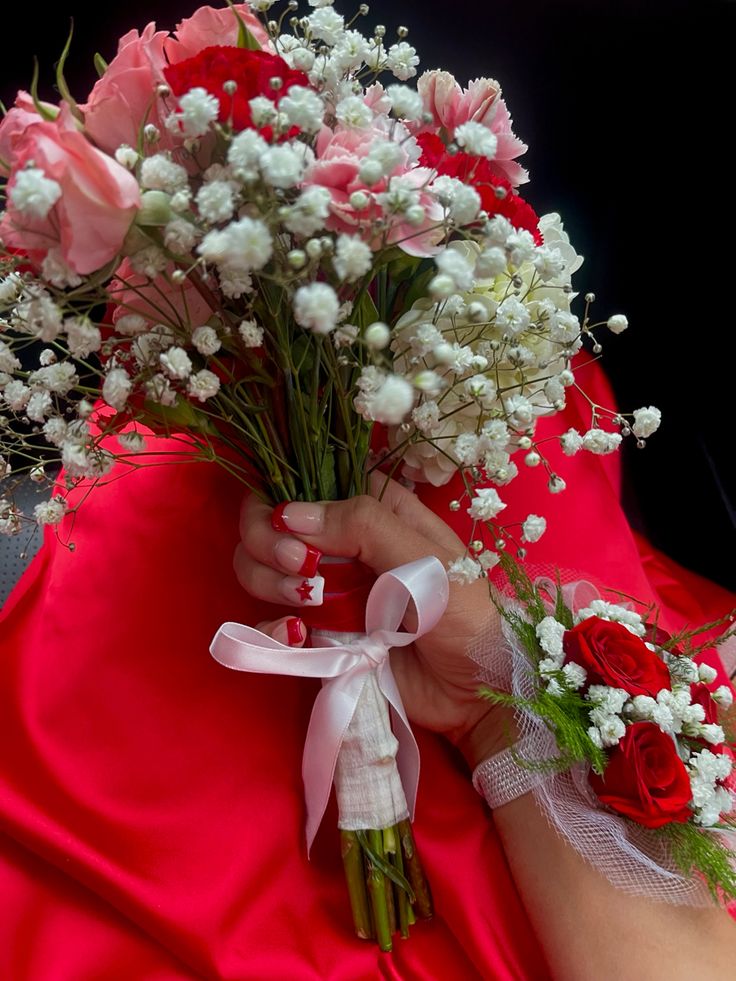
<point x="623" y="736"/>
<point x="255" y="237"/>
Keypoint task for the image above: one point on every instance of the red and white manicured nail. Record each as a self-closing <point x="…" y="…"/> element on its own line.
<point x="298" y="516"/>
<point x="306" y="591"/>
<point x="295" y="556"/>
<point x="296" y="631"/>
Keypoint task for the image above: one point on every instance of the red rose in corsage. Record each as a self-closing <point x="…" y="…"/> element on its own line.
<point x="645" y="779"/>
<point x="612" y="655"/>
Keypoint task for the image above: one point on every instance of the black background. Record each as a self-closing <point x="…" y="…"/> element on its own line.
<point x="627" y="106"/>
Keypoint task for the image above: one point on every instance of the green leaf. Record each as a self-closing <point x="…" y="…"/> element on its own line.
<point x="100" y="65"/>
<point x="181" y="417"/>
<point x="245" y="38"/>
<point x="388" y="870"/>
<point x="327" y="475"/>
<point x="365" y="312"/>
<point x="61" y="81"/>
<point x="419" y="286"/>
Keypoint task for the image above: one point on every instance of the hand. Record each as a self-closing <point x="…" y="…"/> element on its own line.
<point x="438" y="682"/>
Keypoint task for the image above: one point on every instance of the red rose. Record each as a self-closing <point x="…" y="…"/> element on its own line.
<point x="477" y="171"/>
<point x="700" y="694"/>
<point x="612" y="655"/>
<point x="251" y="70"/>
<point x="645" y="779"/>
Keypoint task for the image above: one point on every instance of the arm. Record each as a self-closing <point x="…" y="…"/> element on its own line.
<point x="588" y="928"/>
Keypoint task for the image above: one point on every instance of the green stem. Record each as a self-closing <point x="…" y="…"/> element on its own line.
<point x="415" y="872"/>
<point x="352" y="860"/>
<point x="377" y="892"/>
<point x="404" y="905"/>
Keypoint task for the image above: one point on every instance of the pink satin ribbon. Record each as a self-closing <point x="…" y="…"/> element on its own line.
<point x="344" y="669"/>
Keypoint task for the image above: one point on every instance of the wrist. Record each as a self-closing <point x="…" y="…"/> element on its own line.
<point x="494" y="731"/>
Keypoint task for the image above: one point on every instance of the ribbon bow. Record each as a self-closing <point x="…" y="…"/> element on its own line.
<point x="344" y="669"/>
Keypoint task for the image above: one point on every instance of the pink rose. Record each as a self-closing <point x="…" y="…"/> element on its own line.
<point x="99" y="198"/>
<point x="13" y="126"/>
<point x="339" y="154"/>
<point x="158" y="300"/>
<point x="126" y="96"/>
<point x="481" y="102"/>
<point x="207" y="27"/>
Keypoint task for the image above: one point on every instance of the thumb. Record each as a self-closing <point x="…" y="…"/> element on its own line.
<point x="381" y="534"/>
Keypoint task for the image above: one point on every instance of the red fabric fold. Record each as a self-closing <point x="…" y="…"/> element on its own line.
<point x="151" y="804"/>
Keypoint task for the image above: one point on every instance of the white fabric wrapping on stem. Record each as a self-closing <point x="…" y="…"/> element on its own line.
<point x="367" y="781"/>
<point x="632" y="857"/>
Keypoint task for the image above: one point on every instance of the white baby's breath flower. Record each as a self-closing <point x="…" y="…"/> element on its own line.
<point x="246" y="149"/>
<point x="406" y="103"/>
<point x="572" y="442"/>
<point x="713" y="733"/>
<point x="646" y="421"/>
<point x="486" y="504"/>
<point x="353" y="113"/>
<point x="203" y="385"/>
<point x="33" y="193"/>
<point x="215" y="201"/>
<point x="377" y="336"/>
<point x="575" y="675"/>
<point x="600" y="442"/>
<point x="617" y="323"/>
<point x="131" y="324"/>
<point x="159" y="390"/>
<point x="159" y="173"/>
<point x="205" y="340"/>
<point x="326" y="24"/>
<point x="533" y="528"/>
<point x="83" y="337"/>
<point x="250" y="333"/>
<point x="176" y="362"/>
<point x="476" y="139"/>
<point x="353" y="258"/>
<point x="116" y="388"/>
<point x="512" y="316"/>
<point x="488" y="559"/>
<point x="723" y="696"/>
<point x="244" y="245"/>
<point x="310" y="211"/>
<point x="707" y="674"/>
<point x="464" y="570"/>
<point x="549" y="263"/>
<point x="549" y="634"/>
<point x="50" y="512"/>
<point x="60" y="378"/>
<point x="39" y="406"/>
<point x="199" y="109"/>
<point x="316" y="307"/>
<point x="132" y="441"/>
<point x="282" y="166"/>
<point x="402" y="60"/>
<point x="384" y="398"/>
<point x="303" y="108"/>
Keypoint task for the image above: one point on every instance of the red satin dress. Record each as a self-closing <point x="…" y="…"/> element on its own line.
<point x="151" y="807"/>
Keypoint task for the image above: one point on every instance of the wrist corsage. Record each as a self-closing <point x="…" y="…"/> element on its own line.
<point x="623" y="737"/>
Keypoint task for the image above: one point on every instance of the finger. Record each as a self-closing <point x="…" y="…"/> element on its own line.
<point x="271" y="586"/>
<point x="409" y="508"/>
<point x="370" y="531"/>
<point x="287" y="630"/>
<point x="272" y="548"/>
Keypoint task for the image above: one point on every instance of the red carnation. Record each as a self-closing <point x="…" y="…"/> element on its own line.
<point x="252" y="71"/>
<point x="612" y="655"/>
<point x="645" y="779"/>
<point x="477" y="171"/>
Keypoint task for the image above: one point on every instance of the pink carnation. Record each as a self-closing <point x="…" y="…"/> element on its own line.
<point x="125" y="97"/>
<point x="209" y="27"/>
<point x="99" y="198"/>
<point x="339" y="154"/>
<point x="481" y="102"/>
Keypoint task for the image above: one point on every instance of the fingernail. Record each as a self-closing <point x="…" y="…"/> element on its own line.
<point x="295" y="556"/>
<point x="296" y="632"/>
<point x="305" y="591"/>
<point x="298" y="516"/>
